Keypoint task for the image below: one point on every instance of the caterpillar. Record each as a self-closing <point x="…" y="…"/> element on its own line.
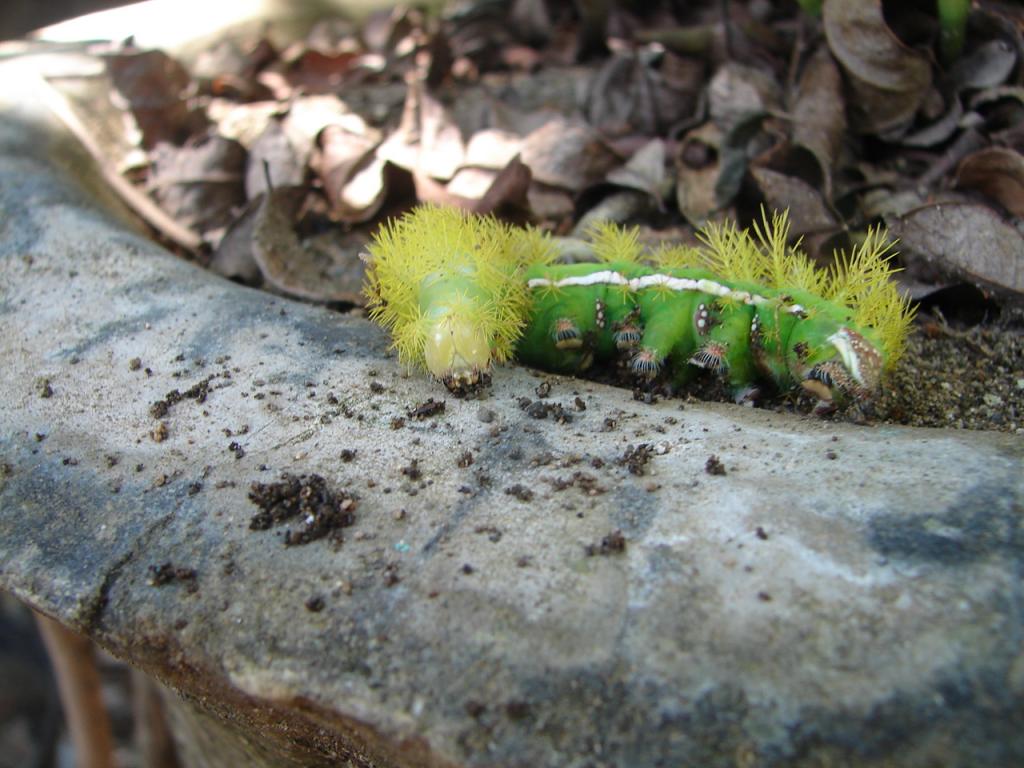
<point x="460" y="292"/>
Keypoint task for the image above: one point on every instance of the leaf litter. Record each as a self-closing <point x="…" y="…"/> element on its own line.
<point x="274" y="163"/>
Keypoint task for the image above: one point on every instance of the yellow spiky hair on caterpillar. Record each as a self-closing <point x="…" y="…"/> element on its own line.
<point x="611" y="242"/>
<point x="449" y="288"/>
<point x="860" y="281"/>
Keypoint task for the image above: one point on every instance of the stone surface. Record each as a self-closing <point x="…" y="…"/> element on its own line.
<point x="841" y="595"/>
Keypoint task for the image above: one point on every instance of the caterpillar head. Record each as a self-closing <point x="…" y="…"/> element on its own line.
<point x="847" y="366"/>
<point x="459" y="354"/>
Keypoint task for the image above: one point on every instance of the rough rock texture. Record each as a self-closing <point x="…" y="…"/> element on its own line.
<point x="512" y="590"/>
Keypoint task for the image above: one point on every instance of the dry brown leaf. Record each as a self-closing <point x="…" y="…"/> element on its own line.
<point x="273" y="154"/>
<point x="967" y="238"/>
<point x="199" y="184"/>
<point x="471" y="183"/>
<point x="937" y="131"/>
<point x="156" y="88"/>
<point x="428" y="142"/>
<point x="244" y="123"/>
<point x="285" y="264"/>
<point x="807" y="210"/>
<point x="549" y="203"/>
<point x="352" y="176"/>
<point x="261" y="247"/>
<point x="508" y="191"/>
<point x="621" y="96"/>
<point x="889" y="80"/>
<point x="645" y="171"/>
<point x="568" y="154"/>
<point x="737" y="91"/>
<point x="237" y="59"/>
<point x="367" y="189"/>
<point x="308" y="115"/>
<point x="985" y="67"/>
<point x="819" y="114"/>
<point x="697" y="169"/>
<point x="492" y="148"/>
<point x="441" y="147"/>
<point x="997" y="173"/>
<point x="233" y="257"/>
<point x="316" y="72"/>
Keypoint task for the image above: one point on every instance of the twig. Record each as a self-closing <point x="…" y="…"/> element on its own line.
<point x="723" y="7"/>
<point x="78" y="681"/>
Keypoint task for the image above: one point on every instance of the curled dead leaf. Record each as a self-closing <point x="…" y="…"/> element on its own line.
<point x="889" y="80"/>
<point x="998" y="173"/>
<point x="985" y="67"/>
<point x="819" y="115"/>
<point x="628" y="94"/>
<point x="507" y="192"/>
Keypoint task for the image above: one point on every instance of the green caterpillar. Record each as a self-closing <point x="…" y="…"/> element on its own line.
<point x="459" y="292"/>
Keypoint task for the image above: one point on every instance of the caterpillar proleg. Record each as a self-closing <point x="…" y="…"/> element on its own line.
<point x="459" y="292"/>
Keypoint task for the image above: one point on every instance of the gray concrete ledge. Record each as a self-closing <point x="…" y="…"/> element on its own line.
<point x="840" y="596"/>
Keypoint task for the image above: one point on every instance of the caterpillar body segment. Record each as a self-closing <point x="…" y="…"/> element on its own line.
<point x="690" y="318"/>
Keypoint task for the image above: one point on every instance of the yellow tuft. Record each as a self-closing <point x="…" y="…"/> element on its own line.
<point x="610" y="242"/>
<point x="860" y="281"/>
<point x="432" y="244"/>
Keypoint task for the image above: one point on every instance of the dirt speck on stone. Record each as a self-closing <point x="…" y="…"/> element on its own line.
<point x="635" y="458"/>
<point x="538" y="409"/>
<point x="322" y="511"/>
<point x="425" y="410"/>
<point x="167" y="573"/>
<point x="520" y="492"/>
<point x="612" y="544"/>
<point x="714" y="465"/>
<point x="314" y="604"/>
<point x="198" y="392"/>
<point x="44" y="388"/>
<point x="517" y="710"/>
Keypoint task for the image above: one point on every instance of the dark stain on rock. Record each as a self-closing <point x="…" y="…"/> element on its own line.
<point x="983" y="521"/>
